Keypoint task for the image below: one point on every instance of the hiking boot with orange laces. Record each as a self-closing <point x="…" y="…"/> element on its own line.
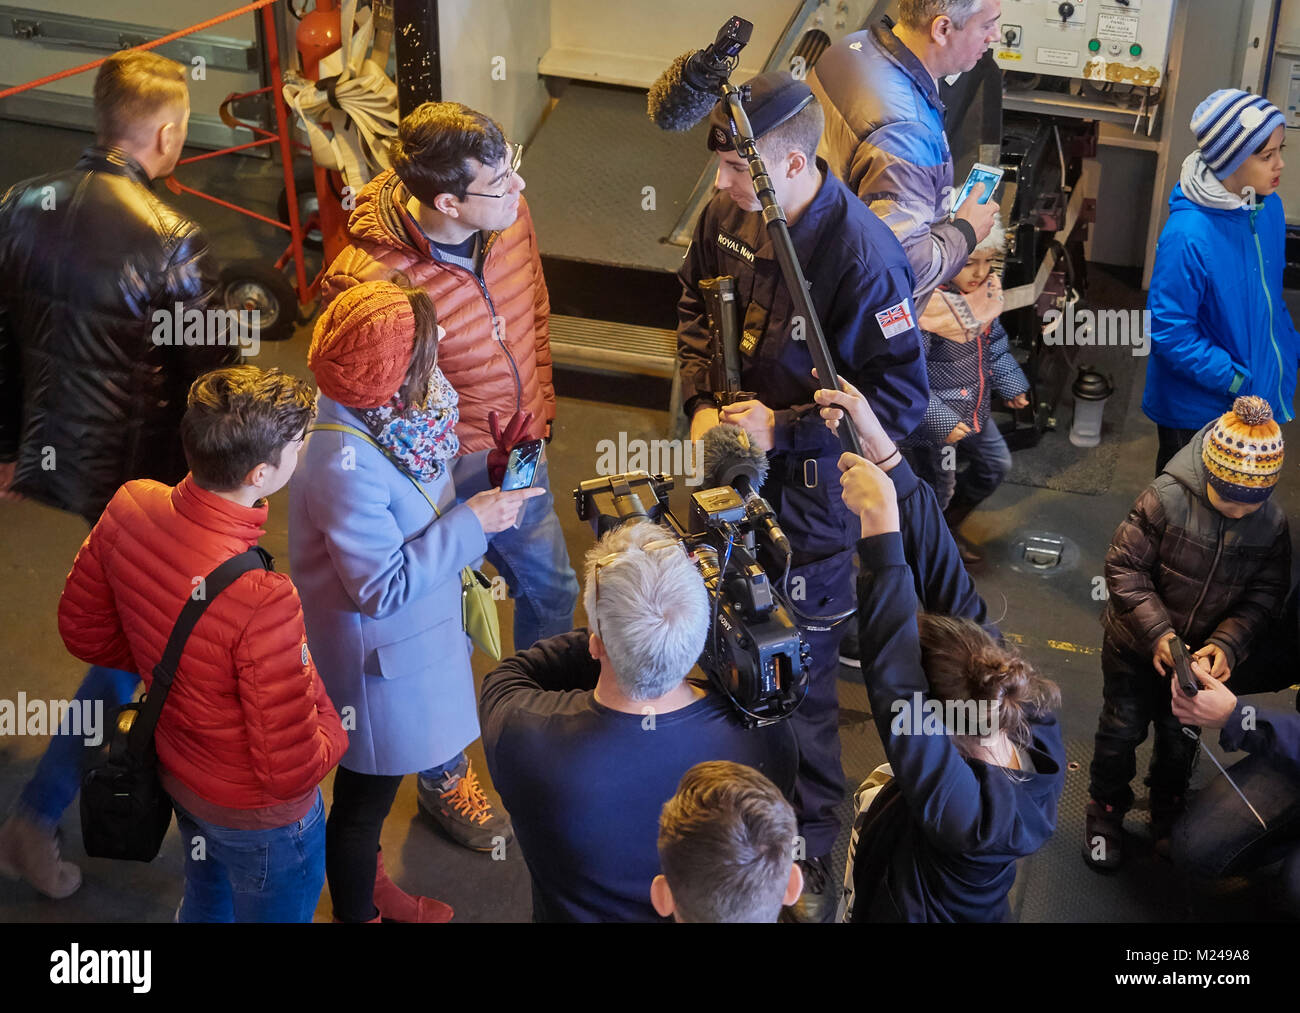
<point x="456" y="804"/>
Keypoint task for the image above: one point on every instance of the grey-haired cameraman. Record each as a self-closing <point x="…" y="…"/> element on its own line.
<point x="588" y="734"/>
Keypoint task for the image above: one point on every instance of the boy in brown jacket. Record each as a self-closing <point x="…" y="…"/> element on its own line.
<point x="1203" y="555"/>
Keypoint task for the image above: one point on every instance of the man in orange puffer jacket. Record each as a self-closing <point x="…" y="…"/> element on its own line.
<point x="450" y="218"/>
<point x="247" y="732"/>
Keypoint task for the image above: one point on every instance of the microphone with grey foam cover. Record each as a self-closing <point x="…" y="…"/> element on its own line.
<point x="676" y="101"/>
<point x="731" y="459"/>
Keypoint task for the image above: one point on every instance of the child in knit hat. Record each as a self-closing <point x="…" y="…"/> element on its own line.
<point x="1219" y="325"/>
<point x="1204" y="555"/>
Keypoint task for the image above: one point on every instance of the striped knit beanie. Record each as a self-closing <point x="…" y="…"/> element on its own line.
<point x="1243" y="451"/>
<point x="1231" y="125"/>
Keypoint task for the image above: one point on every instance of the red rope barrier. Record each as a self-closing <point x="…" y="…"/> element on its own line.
<point x="257" y="5"/>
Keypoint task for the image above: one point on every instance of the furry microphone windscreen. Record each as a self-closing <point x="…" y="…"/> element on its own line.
<point x="672" y="104"/>
<point x="728" y="454"/>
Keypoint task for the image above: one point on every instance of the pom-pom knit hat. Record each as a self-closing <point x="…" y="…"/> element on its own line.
<point x="1243" y="451"/>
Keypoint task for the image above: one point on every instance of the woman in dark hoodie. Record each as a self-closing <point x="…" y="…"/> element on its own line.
<point x="968" y="726"/>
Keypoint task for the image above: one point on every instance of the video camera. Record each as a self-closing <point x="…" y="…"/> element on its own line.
<point x="754" y="653"/>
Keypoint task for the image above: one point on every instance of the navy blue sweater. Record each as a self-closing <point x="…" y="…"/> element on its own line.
<point x="860" y="284"/>
<point x="1275" y="737"/>
<point x="940" y="580"/>
<point x="584" y="784"/>
<point x="967" y="822"/>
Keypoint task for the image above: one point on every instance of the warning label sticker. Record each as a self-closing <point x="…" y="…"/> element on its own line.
<point x="1117" y="28"/>
<point x="1058" y="57"/>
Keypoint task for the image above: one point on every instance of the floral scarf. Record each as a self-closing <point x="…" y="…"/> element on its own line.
<point x="421" y="437"/>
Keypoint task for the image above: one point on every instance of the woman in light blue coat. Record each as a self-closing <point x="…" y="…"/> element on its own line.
<point x="378" y="571"/>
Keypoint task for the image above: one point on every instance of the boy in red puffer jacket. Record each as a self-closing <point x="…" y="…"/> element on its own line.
<point x="247" y="732"/>
<point x="968" y="360"/>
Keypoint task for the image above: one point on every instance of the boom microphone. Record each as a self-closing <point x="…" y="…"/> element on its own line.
<point x="688" y="90"/>
<point x="730" y="459"/>
<point x="675" y="105"/>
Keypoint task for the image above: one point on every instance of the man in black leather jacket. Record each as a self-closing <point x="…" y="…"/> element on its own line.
<point x="88" y="256"/>
<point x="89" y="398"/>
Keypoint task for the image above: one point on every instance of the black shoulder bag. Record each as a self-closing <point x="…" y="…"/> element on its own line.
<point x="124" y="811"/>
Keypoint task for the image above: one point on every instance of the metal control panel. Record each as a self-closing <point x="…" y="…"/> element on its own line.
<point x="1122" y="41"/>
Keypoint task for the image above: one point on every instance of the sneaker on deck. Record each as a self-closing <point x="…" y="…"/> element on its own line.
<point x="849" y="652"/>
<point x="456" y="804"/>
<point x="31" y="852"/>
<point x="1103" y="837"/>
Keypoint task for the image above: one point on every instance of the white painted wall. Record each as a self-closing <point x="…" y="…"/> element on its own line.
<point x="478" y="36"/>
<point x="631" y="42"/>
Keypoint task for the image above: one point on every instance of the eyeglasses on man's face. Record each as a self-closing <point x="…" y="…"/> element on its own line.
<point x="515" y="155"/>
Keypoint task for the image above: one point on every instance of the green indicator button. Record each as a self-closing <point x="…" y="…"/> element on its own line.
<point x="1094" y="45"/>
<point x="1135" y="50"/>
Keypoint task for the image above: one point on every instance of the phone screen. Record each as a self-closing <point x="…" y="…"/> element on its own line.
<point x="521" y="468"/>
<point x="989" y="175"/>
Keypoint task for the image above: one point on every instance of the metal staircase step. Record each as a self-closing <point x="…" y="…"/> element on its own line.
<point x="601" y="344"/>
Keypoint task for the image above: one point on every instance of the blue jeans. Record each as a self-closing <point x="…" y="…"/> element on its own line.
<point x="58" y="776"/>
<point x="988" y="462"/>
<point x="435" y="773"/>
<point x="271" y="875"/>
<point x="535" y="564"/>
<point x="1217" y="836"/>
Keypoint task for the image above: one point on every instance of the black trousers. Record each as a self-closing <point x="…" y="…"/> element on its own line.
<point x="1171" y="441"/>
<point x="1136" y="697"/>
<point x="360" y="806"/>
<point x="825" y="587"/>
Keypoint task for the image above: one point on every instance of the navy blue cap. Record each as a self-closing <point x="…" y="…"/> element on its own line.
<point x="773" y="98"/>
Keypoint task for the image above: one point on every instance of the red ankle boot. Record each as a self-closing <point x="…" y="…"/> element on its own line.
<point x="396" y="905"/>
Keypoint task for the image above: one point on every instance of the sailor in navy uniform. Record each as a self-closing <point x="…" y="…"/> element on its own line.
<point x="861" y="285"/>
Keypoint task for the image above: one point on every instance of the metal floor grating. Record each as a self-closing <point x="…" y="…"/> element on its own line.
<point x="587" y="170"/>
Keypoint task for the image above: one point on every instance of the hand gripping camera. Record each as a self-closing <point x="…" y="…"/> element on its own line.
<point x="753" y="654"/>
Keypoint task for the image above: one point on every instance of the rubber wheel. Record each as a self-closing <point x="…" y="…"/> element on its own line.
<point x="308" y="204"/>
<point x="254" y="285"/>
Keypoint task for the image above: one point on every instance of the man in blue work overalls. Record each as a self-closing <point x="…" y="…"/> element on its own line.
<point x="861" y="284"/>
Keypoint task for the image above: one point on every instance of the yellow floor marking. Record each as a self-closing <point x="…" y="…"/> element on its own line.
<point x="1056" y="645"/>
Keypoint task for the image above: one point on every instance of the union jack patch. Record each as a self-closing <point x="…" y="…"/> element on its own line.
<point x="896" y="319"/>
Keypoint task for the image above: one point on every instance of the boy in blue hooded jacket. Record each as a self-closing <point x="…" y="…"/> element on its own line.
<point x="1219" y="327"/>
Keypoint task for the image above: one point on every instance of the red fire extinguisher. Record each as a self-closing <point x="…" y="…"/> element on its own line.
<point x="319" y="34"/>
